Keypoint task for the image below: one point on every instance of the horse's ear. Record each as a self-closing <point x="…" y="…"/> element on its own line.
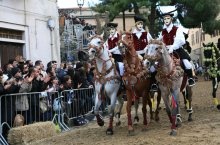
<point x="102" y="35"/>
<point x="90" y="37"/>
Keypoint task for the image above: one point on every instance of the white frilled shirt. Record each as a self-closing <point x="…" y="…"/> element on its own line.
<point x="179" y="39"/>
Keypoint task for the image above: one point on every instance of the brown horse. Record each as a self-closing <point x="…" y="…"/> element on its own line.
<point x="137" y="81"/>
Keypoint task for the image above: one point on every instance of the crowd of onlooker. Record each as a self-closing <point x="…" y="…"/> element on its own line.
<point x="17" y="74"/>
<point x="24" y="76"/>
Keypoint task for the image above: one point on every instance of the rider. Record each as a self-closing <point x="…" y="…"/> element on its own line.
<point x="112" y="45"/>
<point x="141" y="39"/>
<point x="174" y="40"/>
<point x="112" y="42"/>
<point x="140" y="36"/>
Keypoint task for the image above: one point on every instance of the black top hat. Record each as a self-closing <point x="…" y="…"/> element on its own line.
<point x="138" y="19"/>
<point x="167" y="14"/>
<point x="112" y="25"/>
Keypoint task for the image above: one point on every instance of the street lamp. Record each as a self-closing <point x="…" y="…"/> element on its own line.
<point x="80" y="4"/>
<point x="51" y="24"/>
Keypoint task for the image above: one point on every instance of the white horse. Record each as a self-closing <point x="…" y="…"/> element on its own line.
<point x="107" y="80"/>
<point x="169" y="75"/>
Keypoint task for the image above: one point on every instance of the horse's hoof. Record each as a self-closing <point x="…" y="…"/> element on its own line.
<point x="131" y="133"/>
<point x="190" y="119"/>
<point x="136" y="118"/>
<point x="157" y="118"/>
<point x="178" y="122"/>
<point x="152" y="117"/>
<point x="118" y="123"/>
<point x="144" y="129"/>
<point x="173" y="133"/>
<point x="101" y="123"/>
<point x="109" y="131"/>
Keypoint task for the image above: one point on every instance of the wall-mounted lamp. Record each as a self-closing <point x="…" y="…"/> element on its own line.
<point x="51" y="24"/>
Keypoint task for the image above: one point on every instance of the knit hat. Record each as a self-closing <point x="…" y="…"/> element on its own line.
<point x="14" y="70"/>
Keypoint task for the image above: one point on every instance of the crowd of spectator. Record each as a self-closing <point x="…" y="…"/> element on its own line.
<point x="18" y="73"/>
<point x="25" y="76"/>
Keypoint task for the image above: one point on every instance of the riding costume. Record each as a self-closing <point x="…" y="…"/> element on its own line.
<point x="112" y="42"/>
<point x="140" y="36"/>
<point x="174" y="40"/>
<point x="141" y="39"/>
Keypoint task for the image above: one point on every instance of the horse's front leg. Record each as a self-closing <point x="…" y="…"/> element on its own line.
<point x="157" y="118"/>
<point x="145" y="98"/>
<point x="99" y="118"/>
<point x="113" y="99"/>
<point x="136" y="106"/>
<point x="175" y="112"/>
<point x="119" y="105"/>
<point x="169" y="109"/>
<point x="128" y="108"/>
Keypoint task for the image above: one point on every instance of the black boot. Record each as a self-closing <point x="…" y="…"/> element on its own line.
<point x="191" y="81"/>
<point x="154" y="88"/>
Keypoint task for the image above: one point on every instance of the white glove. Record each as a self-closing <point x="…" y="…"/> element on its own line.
<point x="152" y="69"/>
<point x="170" y="50"/>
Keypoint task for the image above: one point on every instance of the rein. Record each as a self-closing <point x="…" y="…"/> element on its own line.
<point x="100" y="76"/>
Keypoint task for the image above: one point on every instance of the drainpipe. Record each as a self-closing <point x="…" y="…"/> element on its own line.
<point x="51" y="25"/>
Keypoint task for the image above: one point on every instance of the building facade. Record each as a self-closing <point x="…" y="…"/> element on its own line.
<point x="29" y="28"/>
<point x="196" y="35"/>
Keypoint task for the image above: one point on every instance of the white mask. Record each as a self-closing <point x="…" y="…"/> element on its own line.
<point x="139" y="26"/>
<point x="112" y="31"/>
<point x="167" y="20"/>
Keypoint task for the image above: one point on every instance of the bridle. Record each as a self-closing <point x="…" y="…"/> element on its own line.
<point x="157" y="57"/>
<point x="127" y="46"/>
<point x="97" y="48"/>
<point x="100" y="77"/>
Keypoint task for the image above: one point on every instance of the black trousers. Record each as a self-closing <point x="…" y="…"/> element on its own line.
<point x="117" y="57"/>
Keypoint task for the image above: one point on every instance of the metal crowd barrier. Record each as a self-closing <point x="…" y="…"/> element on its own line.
<point x="44" y="106"/>
<point x="78" y="102"/>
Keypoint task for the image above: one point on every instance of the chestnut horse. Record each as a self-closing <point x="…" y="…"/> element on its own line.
<point x="136" y="80"/>
<point x="169" y="75"/>
<point x="107" y="80"/>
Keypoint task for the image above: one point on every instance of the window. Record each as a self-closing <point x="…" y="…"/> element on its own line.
<point x="192" y="39"/>
<point x="197" y="37"/>
<point x="11" y="34"/>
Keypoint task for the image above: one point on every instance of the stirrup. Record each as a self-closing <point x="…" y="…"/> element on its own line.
<point x="191" y="82"/>
<point x="189" y="110"/>
<point x="154" y="88"/>
<point x="179" y="118"/>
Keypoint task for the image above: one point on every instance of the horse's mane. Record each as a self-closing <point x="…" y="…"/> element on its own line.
<point x="95" y="36"/>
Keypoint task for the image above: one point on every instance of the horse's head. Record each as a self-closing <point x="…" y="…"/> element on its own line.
<point x="96" y="46"/>
<point x="125" y="44"/>
<point x="154" y="50"/>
